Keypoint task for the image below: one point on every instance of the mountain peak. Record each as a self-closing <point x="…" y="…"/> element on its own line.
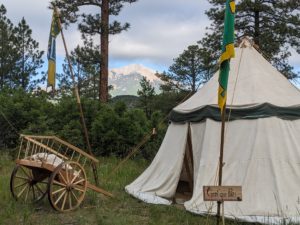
<point x="126" y="80"/>
<point x="136" y="68"/>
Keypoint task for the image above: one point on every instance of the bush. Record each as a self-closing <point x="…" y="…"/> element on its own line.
<point x="22" y="112"/>
<point x="113" y="129"/>
<point x="116" y="130"/>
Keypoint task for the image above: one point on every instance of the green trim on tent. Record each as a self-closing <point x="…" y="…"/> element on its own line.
<point x="260" y="111"/>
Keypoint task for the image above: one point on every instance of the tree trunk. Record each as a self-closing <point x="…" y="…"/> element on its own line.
<point x="78" y="79"/>
<point x="256" y="24"/>
<point x="103" y="81"/>
<point x="94" y="87"/>
<point x="193" y="76"/>
<point x="23" y="63"/>
<point x="1" y="80"/>
<point x="1" y="73"/>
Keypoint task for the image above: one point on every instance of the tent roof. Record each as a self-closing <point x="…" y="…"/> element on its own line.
<point x="253" y="84"/>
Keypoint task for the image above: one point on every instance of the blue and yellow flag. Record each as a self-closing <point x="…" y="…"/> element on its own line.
<point x="227" y="52"/>
<point x="54" y="31"/>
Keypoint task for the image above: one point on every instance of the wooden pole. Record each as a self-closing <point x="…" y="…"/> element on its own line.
<point x="221" y="160"/>
<point x="76" y="92"/>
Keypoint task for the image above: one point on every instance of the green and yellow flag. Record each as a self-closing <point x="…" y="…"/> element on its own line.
<point x="227" y="52"/>
<point x="54" y="31"/>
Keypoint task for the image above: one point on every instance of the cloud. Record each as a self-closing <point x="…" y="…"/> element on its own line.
<point x="160" y="29"/>
<point x="160" y="43"/>
<point x="36" y="15"/>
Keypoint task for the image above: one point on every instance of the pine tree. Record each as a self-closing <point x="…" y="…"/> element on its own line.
<point x="189" y="70"/>
<point x="8" y="50"/>
<point x="86" y="65"/>
<point x="272" y="24"/>
<point x="30" y="57"/>
<point x="96" y="24"/>
<point x="90" y="58"/>
<point x="19" y="55"/>
<point x="146" y="96"/>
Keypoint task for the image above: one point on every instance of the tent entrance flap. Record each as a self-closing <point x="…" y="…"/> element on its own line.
<point x="185" y="186"/>
<point x="159" y="181"/>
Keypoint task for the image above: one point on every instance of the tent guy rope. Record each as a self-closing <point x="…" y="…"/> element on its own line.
<point x="10" y="124"/>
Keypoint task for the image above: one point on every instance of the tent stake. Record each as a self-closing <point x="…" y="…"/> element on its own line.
<point x="221" y="160"/>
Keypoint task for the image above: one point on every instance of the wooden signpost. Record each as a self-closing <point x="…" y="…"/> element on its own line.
<point x="222" y="193"/>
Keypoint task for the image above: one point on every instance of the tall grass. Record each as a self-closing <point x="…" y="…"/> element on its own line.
<point x="96" y="208"/>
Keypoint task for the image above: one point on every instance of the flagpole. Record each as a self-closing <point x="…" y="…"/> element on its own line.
<point x="76" y="92"/>
<point x="227" y="54"/>
<point x="221" y="160"/>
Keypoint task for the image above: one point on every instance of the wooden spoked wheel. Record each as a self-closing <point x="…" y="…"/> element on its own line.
<point x="67" y="186"/>
<point x="27" y="184"/>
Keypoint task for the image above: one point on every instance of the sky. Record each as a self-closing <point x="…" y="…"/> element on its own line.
<point x="160" y="30"/>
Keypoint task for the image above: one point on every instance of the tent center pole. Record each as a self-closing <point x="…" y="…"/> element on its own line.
<point x="223" y="115"/>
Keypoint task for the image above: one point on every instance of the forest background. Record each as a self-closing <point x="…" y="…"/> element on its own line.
<point x="118" y="124"/>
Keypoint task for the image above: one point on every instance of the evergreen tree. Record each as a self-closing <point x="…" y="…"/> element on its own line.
<point x="19" y="55"/>
<point x="86" y="71"/>
<point x="146" y="96"/>
<point x="96" y="24"/>
<point x="90" y="59"/>
<point x="30" y="58"/>
<point x="191" y="69"/>
<point x="272" y="24"/>
<point x="8" y="49"/>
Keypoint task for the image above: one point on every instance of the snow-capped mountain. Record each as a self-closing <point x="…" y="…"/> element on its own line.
<point x="126" y="80"/>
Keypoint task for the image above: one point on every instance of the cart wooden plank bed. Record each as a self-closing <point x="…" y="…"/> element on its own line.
<point x="47" y="165"/>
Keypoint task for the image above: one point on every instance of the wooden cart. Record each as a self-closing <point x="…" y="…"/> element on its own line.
<point x="49" y="165"/>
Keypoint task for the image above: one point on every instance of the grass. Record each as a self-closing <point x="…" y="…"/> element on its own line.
<point x="96" y="209"/>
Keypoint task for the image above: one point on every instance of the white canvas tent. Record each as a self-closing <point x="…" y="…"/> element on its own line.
<point x="262" y="145"/>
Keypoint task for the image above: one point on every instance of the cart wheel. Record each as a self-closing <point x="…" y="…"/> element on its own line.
<point x="25" y="186"/>
<point x="67" y="186"/>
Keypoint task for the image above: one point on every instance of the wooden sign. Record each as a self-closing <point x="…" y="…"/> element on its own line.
<point x="222" y="193"/>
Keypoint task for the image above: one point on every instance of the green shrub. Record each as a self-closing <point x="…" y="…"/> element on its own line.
<point x="114" y="129"/>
